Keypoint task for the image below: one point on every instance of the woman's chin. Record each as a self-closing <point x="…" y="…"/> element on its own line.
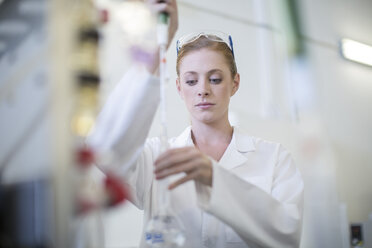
<point x="206" y="119"/>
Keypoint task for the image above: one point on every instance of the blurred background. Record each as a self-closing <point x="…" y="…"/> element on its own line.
<point x="300" y="86"/>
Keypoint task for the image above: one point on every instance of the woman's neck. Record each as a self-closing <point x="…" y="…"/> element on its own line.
<point x="207" y="133"/>
<point x="212" y="139"/>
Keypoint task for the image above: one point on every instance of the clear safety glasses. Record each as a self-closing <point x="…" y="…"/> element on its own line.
<point x="211" y="35"/>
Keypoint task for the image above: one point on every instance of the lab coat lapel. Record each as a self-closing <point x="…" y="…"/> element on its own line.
<point x="235" y="153"/>
<point x="184" y="139"/>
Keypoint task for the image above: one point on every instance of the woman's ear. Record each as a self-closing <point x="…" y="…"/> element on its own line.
<point x="236" y="84"/>
<point x="178" y="85"/>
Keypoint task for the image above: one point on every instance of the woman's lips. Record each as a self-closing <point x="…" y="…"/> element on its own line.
<point x="205" y="105"/>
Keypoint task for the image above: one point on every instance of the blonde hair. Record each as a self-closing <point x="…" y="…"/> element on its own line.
<point x="204" y="42"/>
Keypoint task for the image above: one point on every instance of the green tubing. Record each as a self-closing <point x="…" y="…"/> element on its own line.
<point x="163" y="18"/>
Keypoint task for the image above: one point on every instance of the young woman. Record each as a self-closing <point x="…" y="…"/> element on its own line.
<point x="229" y="189"/>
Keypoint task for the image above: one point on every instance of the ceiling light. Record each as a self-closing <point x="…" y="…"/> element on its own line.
<point x="356" y="51"/>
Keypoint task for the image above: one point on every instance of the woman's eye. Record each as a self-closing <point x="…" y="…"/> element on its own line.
<point x="215" y="80"/>
<point x="191" y="82"/>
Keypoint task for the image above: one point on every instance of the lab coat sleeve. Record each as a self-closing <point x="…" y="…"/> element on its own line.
<point x="124" y="121"/>
<point x="140" y="176"/>
<point x="260" y="218"/>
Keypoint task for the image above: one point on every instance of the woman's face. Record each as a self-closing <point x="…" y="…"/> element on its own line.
<point x="206" y="85"/>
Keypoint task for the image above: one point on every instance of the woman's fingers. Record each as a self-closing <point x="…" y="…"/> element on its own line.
<point x="193" y="175"/>
<point x="186" y="167"/>
<point x="168" y="6"/>
<point x="174" y="156"/>
<point x="187" y="160"/>
<point x="162" y="7"/>
<point x="158" y="1"/>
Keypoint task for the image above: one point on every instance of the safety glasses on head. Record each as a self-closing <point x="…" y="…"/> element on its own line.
<point x="211" y="35"/>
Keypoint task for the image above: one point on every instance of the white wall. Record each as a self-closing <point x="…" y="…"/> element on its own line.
<point x="345" y="95"/>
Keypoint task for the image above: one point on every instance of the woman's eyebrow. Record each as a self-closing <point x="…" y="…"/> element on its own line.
<point x="190" y="72"/>
<point x="209" y="72"/>
<point x="214" y="70"/>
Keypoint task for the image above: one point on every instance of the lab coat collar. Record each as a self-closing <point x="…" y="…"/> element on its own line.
<point x="184" y="139"/>
<point x="243" y="142"/>
<point x="235" y="153"/>
<point x="240" y="144"/>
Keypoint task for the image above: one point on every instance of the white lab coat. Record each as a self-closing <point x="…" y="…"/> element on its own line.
<point x="257" y="194"/>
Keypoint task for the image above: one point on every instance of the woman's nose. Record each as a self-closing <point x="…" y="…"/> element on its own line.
<point x="204" y="89"/>
<point x="203" y="93"/>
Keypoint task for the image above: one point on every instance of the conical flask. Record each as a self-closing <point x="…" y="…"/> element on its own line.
<point x="164" y="229"/>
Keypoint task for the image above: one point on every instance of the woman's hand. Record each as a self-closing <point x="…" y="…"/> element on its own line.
<point x="169" y="7"/>
<point x="189" y="160"/>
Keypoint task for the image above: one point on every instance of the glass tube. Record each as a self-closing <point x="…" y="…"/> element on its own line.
<point x="164" y="229"/>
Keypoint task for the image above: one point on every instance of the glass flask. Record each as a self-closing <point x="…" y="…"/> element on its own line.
<point x="164" y="229"/>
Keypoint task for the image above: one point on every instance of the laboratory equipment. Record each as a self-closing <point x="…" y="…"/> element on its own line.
<point x="90" y="198"/>
<point x="164" y="229"/>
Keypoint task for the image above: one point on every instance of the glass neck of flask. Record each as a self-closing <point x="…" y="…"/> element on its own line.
<point x="163" y="200"/>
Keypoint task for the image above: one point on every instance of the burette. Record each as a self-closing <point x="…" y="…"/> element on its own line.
<point x="164" y="229"/>
<point x="163" y="25"/>
<point x="163" y="75"/>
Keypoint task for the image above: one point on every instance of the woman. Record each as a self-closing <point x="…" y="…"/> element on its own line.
<point x="229" y="189"/>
